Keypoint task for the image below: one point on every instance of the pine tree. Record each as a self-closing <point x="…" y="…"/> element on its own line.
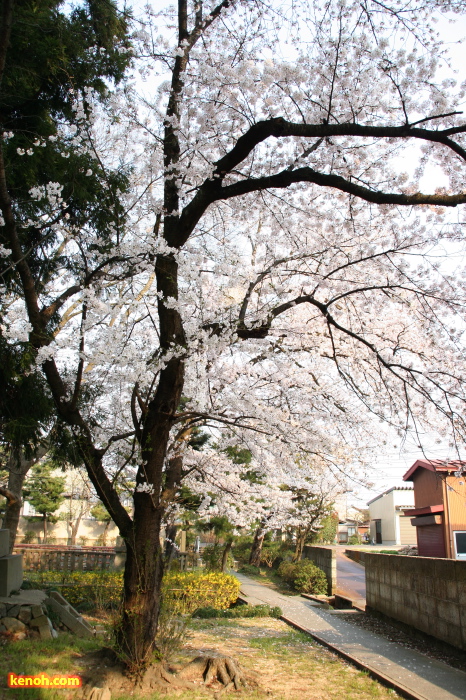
<point x="45" y="493"/>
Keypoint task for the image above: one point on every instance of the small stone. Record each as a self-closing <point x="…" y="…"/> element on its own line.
<point x="41" y="621"/>
<point x="14" y="610"/>
<point x="2" y="609"/>
<point x="36" y="610"/>
<point x="45" y="632"/>
<point x="12" y="624"/>
<point x="25" y="614"/>
<point x="2" y="629"/>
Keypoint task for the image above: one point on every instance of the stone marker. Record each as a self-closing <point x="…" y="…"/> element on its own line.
<point x="11" y="566"/>
<point x="4" y="543"/>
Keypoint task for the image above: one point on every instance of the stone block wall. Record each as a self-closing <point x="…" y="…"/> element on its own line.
<point x="326" y="559"/>
<point x="426" y="593"/>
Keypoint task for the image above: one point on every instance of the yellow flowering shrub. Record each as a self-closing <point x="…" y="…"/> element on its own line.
<point x="186" y="591"/>
<point x="183" y="591"/>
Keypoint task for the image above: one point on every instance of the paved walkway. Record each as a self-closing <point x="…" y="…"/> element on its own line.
<point x="412" y="674"/>
<point x="351" y="577"/>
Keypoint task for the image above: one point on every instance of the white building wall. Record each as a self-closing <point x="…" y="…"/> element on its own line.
<point x="384" y="509"/>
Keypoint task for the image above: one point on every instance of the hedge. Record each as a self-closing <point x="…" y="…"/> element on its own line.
<point x="83" y="589"/>
<point x="240" y="611"/>
<point x="183" y="591"/>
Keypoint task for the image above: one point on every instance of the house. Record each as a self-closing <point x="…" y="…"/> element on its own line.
<point x="345" y="530"/>
<point x="388" y="523"/>
<point x="439" y="513"/>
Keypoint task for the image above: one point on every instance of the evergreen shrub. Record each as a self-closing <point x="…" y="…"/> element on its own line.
<point x="212" y="556"/>
<point x="238" y="612"/>
<point x="249" y="570"/>
<point x="303" y="576"/>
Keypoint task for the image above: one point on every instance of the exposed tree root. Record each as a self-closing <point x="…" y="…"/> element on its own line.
<point x="105" y="675"/>
<point x="218" y="668"/>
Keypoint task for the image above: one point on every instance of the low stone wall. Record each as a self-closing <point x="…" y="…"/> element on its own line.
<point x="326" y="559"/>
<point x="356" y="555"/>
<point x="426" y="593"/>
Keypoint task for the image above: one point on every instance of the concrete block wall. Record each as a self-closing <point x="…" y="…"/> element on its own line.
<point x="326" y="559"/>
<point x="356" y="555"/>
<point x="425" y="592"/>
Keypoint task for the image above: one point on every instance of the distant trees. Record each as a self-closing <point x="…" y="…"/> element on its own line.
<point x="101" y="514"/>
<point x="45" y="492"/>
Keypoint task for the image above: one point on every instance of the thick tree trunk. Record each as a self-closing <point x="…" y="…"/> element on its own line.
<point x="226" y="552"/>
<point x="18" y="467"/>
<point x="16" y="479"/>
<point x="256" y="549"/>
<point x="142" y="593"/>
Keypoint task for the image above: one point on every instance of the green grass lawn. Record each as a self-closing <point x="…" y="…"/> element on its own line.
<point x="34" y="656"/>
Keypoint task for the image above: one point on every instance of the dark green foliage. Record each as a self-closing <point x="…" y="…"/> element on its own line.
<point x="212" y="556"/>
<point x="354" y="539"/>
<point x="249" y="570"/>
<point x="239" y="455"/>
<point x="327" y="531"/>
<point x="100" y="513"/>
<point x="25" y="403"/>
<point x="303" y="576"/>
<point x="45" y="491"/>
<point x="53" y="58"/>
<point x="242" y="548"/>
<point x="239" y="611"/>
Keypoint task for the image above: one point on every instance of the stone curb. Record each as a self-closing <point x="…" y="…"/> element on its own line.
<point x="400" y="688"/>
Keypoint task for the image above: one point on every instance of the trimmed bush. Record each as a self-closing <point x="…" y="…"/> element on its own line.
<point x="239" y="611"/>
<point x="303" y="576"/>
<point x="185" y="591"/>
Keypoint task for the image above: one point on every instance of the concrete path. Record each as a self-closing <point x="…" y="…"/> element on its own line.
<point x="351" y="577"/>
<point x="412" y="674"/>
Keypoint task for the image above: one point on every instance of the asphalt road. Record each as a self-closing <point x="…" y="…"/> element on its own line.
<point x="351" y="578"/>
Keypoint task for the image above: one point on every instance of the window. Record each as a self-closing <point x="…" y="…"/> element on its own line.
<point x="460" y="544"/>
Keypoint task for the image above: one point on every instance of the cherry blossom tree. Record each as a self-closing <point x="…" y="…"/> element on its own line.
<point x="273" y="266"/>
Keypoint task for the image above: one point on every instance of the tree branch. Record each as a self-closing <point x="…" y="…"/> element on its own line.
<point x="286" y="178"/>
